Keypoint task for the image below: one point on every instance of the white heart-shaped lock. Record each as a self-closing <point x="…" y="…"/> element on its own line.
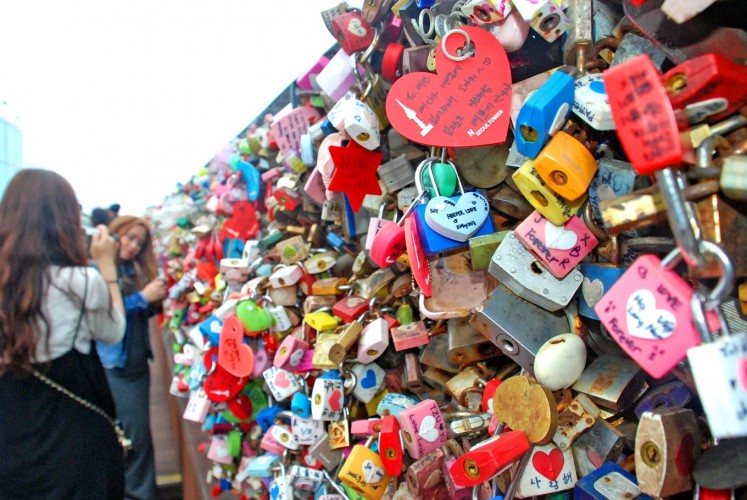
<point x="558" y="237"/>
<point x="592" y="291"/>
<point x="645" y="321"/>
<point x="371" y="473"/>
<point x="457" y="220"/>
<point x="428" y="429"/>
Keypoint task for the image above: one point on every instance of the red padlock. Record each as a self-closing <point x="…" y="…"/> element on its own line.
<point x="708" y="87"/>
<point x="488" y="458"/>
<point x="390" y="445"/>
<point x="352" y="32"/>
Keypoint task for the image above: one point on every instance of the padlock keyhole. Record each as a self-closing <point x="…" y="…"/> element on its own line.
<point x="540" y="198"/>
<point x="528" y="133"/>
<point x="508" y="346"/>
<point x="536" y="268"/>
<point x="651" y="454"/>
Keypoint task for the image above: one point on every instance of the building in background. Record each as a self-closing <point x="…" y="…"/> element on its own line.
<point x="11" y="147"/>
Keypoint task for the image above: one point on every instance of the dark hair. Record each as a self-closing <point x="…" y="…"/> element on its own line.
<point x="99" y="216"/>
<point x="146" y="268"/>
<point x="39" y="227"/>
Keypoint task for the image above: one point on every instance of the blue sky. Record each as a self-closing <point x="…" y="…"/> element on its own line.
<point x="127" y="98"/>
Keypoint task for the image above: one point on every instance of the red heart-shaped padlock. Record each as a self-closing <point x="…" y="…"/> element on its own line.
<point x="466" y="103"/>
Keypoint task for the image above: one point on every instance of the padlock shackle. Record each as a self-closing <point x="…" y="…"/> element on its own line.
<point x="725" y="282"/>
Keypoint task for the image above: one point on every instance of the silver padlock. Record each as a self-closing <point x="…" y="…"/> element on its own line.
<point x="397" y="173"/>
<point x="520" y="271"/>
<point x="612" y="382"/>
<point x="599" y="444"/>
<point x="518" y="327"/>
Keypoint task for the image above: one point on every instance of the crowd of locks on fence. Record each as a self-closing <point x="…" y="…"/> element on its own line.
<point x="490" y="249"/>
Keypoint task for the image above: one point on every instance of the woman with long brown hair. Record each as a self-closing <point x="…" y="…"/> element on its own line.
<point x="126" y="363"/>
<point x="52" y="307"/>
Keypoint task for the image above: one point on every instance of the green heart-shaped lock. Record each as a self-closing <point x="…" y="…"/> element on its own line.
<point x="445" y="176"/>
<point x="254" y="318"/>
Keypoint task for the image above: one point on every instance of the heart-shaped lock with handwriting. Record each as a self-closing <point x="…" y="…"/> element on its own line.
<point x="233" y="355"/>
<point x="465" y="104"/>
<point x="457" y="218"/>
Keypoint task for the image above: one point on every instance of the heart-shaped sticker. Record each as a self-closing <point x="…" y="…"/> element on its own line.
<point x="550" y="464"/>
<point x="428" y="429"/>
<point x="356" y="28"/>
<point x="592" y="291"/>
<point x="457" y="219"/>
<point x="559" y="238"/>
<point x="369" y="380"/>
<point x="334" y="401"/>
<point x="466" y="104"/>
<point x="233" y="354"/>
<point x="281" y="380"/>
<point x="645" y="321"/>
<point x="371" y="473"/>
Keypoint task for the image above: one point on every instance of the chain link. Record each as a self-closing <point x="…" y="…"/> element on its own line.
<point x="125" y="442"/>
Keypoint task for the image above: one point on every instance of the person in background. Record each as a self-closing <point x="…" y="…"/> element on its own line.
<point x="127" y="362"/>
<point x="100" y="216"/>
<point x="113" y="211"/>
<point x="52" y="307"/>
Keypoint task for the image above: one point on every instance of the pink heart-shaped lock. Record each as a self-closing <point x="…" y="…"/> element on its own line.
<point x="388" y="244"/>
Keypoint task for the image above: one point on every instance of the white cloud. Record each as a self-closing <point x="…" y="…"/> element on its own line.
<point x="125" y="99"/>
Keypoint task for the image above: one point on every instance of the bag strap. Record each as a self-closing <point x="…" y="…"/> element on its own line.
<point x="82" y="309"/>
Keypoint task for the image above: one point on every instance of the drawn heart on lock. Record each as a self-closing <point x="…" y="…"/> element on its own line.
<point x="428" y="429"/>
<point x="559" y="238"/>
<point x="356" y="28"/>
<point x="742" y="372"/>
<point x="281" y="380"/>
<point x="465" y="104"/>
<point x="592" y="291"/>
<point x="645" y="321"/>
<point x="550" y="464"/>
<point x="457" y="220"/>
<point x="334" y="401"/>
<point x="371" y="473"/>
<point x="369" y="380"/>
<point x="233" y="355"/>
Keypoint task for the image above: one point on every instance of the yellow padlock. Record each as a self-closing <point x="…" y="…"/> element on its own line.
<point x="364" y="472"/>
<point x="373" y="405"/>
<point x="550" y="204"/>
<point x="328" y="286"/>
<point x="566" y="166"/>
<point x="320" y="321"/>
<point x="324" y="343"/>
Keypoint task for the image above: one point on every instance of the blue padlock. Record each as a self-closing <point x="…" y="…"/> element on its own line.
<point x="544" y="113"/>
<point x="433" y="242"/>
<point x="617" y="483"/>
<point x="598" y="278"/>
<point x="392" y="404"/>
<point x="301" y="405"/>
<point x="266" y="417"/>
<point x="251" y="177"/>
<point x="209" y="421"/>
<point x="211" y="331"/>
<point x="262" y="465"/>
<point x="233" y="248"/>
<point x="196" y="375"/>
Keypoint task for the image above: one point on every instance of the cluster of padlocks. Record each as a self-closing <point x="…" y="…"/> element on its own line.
<point x="490" y="247"/>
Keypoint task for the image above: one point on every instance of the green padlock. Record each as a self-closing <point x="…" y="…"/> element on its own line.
<point x="405" y="314"/>
<point x="254" y="318"/>
<point x="443" y="172"/>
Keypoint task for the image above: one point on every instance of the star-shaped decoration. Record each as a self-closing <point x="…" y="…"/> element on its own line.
<point x="355" y="172"/>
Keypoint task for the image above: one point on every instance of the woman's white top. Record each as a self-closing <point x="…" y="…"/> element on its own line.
<point x="101" y="320"/>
